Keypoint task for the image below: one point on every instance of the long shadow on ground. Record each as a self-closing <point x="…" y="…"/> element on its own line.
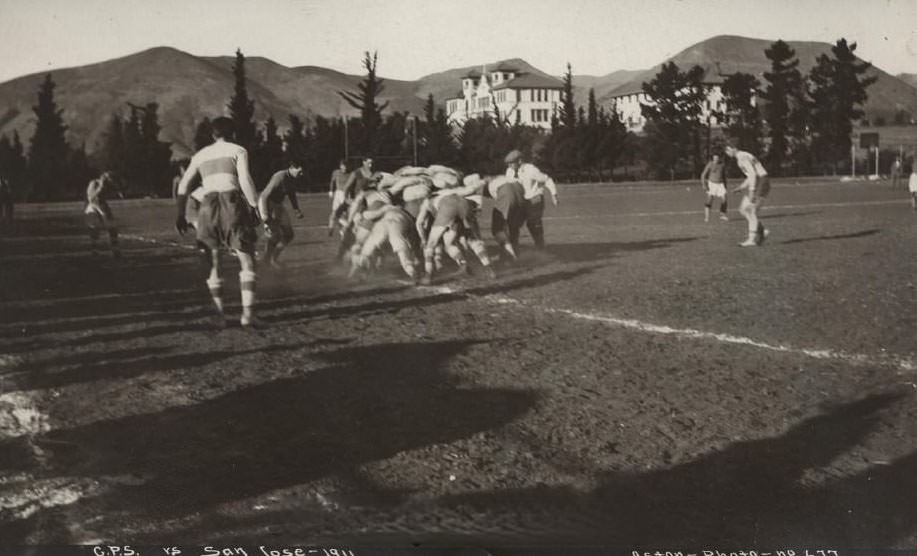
<point x="853" y="235"/>
<point x="369" y="404"/>
<point x="751" y="493"/>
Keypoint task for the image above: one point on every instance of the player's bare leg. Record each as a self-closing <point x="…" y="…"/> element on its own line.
<point x="455" y="252"/>
<point x="215" y="285"/>
<point x="247" y="288"/>
<point x="429" y="252"/>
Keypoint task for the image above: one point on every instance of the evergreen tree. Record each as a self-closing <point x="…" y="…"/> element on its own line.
<point x="269" y="156"/>
<point x="113" y="149"/>
<point x="203" y="134"/>
<point x="48" y="151"/>
<point x="365" y="100"/>
<point x="13" y="163"/>
<point x="568" y="106"/>
<point x="241" y="108"/>
<point x="674" y="123"/>
<point x="438" y="145"/>
<point x="838" y="93"/>
<point x="785" y="104"/>
<point x="742" y="119"/>
<point x="593" y="108"/>
<point x="156" y="154"/>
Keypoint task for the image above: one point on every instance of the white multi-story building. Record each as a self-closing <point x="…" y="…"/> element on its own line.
<point x="515" y="97"/>
<point x="628" y="99"/>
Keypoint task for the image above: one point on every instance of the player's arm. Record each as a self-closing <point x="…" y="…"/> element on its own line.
<point x="704" y="174"/>
<point x="422" y="215"/>
<point x="291" y="195"/>
<point x="181" y="195"/>
<point x="334" y="176"/>
<point x="552" y="188"/>
<point x="245" y="179"/>
<point x="262" y="199"/>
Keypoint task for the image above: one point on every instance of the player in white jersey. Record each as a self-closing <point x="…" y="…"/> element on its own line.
<point x="756" y="187"/>
<point x="98" y="213"/>
<point x="226" y="217"/>
<point x="534" y="183"/>
<point x="912" y="186"/>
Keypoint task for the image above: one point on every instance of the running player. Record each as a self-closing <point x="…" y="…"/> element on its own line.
<point x="713" y="180"/>
<point x="534" y="182"/>
<point x="227" y="213"/>
<point x="337" y="192"/>
<point x="98" y="213"/>
<point x="277" y="224"/>
<point x="756" y="186"/>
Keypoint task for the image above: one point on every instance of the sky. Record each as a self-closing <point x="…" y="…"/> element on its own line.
<point x="416" y="37"/>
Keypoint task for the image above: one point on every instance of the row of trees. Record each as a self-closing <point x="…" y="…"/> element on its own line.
<point x="798" y="123"/>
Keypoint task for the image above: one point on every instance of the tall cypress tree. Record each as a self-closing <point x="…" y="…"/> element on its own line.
<point x="157" y="154"/>
<point x="48" y="151"/>
<point x="13" y="163"/>
<point x="113" y="149"/>
<point x="241" y="108"/>
<point x="568" y="106"/>
<point x="784" y="103"/>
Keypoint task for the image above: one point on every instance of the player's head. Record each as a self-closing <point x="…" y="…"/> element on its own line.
<point x="716" y="156"/>
<point x="342" y="165"/>
<point x="223" y="128"/>
<point x="294" y="168"/>
<point x="368" y="162"/>
<point x="730" y="150"/>
<point x="513" y="159"/>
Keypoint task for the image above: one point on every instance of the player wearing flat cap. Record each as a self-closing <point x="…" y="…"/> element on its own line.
<point x="534" y="183"/>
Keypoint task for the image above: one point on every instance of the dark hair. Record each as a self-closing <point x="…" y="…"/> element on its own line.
<point x="222" y="127"/>
<point x="294" y="163"/>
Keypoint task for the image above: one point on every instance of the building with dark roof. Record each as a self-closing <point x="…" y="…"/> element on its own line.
<point x="505" y="92"/>
<point x="629" y="97"/>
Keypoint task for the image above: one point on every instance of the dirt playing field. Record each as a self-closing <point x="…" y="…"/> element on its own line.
<point x="642" y="383"/>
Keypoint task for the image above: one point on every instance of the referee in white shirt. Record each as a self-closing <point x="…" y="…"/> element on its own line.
<point x="534" y="182"/>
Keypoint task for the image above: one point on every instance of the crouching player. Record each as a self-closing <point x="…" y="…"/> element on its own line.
<point x="226" y="215"/>
<point x="508" y="213"/>
<point x="98" y="213"/>
<point x="277" y="224"/>
<point x="453" y="221"/>
<point x="756" y="187"/>
<point x="395" y="227"/>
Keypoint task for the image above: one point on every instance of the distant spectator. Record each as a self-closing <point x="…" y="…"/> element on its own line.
<point x="6" y="200"/>
<point x="897" y="170"/>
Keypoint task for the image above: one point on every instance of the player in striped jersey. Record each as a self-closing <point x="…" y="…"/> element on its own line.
<point x="756" y="186"/>
<point x="277" y="223"/>
<point x="227" y="212"/>
<point x="98" y="213"/>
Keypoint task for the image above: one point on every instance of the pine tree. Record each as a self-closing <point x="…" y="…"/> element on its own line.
<point x="838" y="93"/>
<point x="365" y="100"/>
<point x="241" y="108"/>
<point x="743" y="121"/>
<point x="673" y="117"/>
<point x="593" y="108"/>
<point x="48" y="151"/>
<point x="13" y="163"/>
<point x="784" y="104"/>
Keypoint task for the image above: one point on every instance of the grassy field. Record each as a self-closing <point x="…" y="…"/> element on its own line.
<point x="641" y="383"/>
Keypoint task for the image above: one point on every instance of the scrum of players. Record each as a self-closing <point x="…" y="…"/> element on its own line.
<point x="420" y="214"/>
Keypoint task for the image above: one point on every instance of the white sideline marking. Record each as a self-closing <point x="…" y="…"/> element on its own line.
<point x="901" y="363"/>
<point x="766" y="207"/>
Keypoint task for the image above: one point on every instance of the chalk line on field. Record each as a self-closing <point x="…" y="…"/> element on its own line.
<point x="900" y="363"/>
<point x="765" y="207"/>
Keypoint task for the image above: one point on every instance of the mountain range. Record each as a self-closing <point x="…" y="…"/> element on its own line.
<point x="189" y="88"/>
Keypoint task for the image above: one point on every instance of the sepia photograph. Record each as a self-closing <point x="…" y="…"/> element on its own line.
<point x="477" y="278"/>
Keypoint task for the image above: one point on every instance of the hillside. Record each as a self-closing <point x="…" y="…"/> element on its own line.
<point x="189" y="88"/>
<point x="741" y="54"/>
<point x="909" y="78"/>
